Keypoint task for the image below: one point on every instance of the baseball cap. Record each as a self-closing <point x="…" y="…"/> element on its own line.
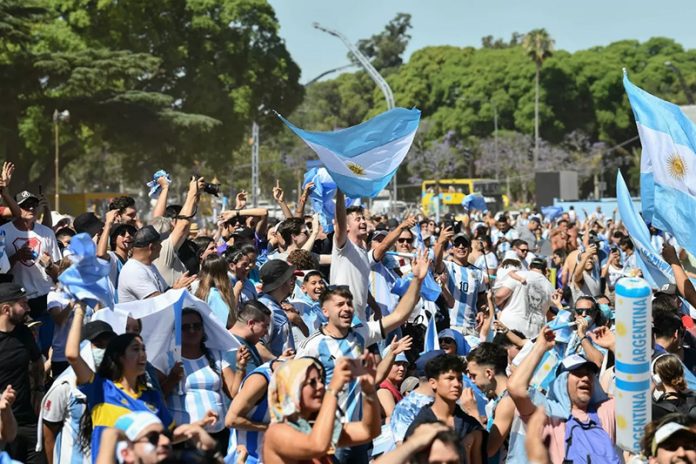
<point x="275" y="273"/>
<point x="25" y="195"/>
<point x="664" y="432"/>
<point x="538" y="263"/>
<point x="10" y="291"/>
<point x="379" y="233"/>
<point x="243" y="232"/>
<point x="424" y="359"/>
<point x="134" y="423"/>
<point x="461" y="237"/>
<point x="163" y="226"/>
<point x="576" y="361"/>
<point x="409" y="384"/>
<point x="89" y="223"/>
<point x="145" y="236"/>
<point x="668" y="289"/>
<point x="95" y="329"/>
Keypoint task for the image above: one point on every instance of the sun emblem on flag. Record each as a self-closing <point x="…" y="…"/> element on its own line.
<point x="356" y="168"/>
<point x="676" y="166"/>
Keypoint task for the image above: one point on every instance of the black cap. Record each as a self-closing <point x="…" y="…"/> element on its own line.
<point x="10" y="291"/>
<point x="461" y="237"/>
<point x="145" y="236"/>
<point x="89" y="223"/>
<point x="25" y="195"/>
<point x="425" y="359"/>
<point x="243" y="232"/>
<point x="95" y="329"/>
<point x="538" y="263"/>
<point x="275" y="273"/>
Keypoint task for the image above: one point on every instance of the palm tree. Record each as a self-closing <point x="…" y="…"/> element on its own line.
<point x="538" y="44"/>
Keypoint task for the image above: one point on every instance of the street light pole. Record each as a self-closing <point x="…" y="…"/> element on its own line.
<point x="376" y="77"/>
<point x="682" y="81"/>
<point x="254" y="164"/>
<point x="495" y="139"/>
<point x="58" y="117"/>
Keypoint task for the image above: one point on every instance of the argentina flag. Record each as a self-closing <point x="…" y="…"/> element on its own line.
<point x="362" y="159"/>
<point x="668" y="165"/>
<point x="655" y="270"/>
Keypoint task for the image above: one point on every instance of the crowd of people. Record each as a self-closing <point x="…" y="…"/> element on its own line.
<point x="383" y="340"/>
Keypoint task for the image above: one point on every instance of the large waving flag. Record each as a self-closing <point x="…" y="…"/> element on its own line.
<point x="87" y="279"/>
<point x="362" y="159"/>
<point x="668" y="165"/>
<point x="655" y="270"/>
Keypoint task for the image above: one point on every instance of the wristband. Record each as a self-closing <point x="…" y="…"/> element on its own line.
<point x="331" y="391"/>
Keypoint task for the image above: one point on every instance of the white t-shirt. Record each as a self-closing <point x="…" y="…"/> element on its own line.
<point x="30" y="274"/>
<point x="527" y="306"/>
<point x="137" y="281"/>
<point x="351" y="266"/>
<point x="57" y="301"/>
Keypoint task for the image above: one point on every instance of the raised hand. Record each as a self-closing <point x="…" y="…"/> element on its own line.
<point x="184" y="281"/>
<point x="402" y="345"/>
<point x="602" y="336"/>
<point x="240" y="200"/>
<point x="546" y="339"/>
<point x="7" y="398"/>
<point x="408" y="223"/>
<point x="243" y="357"/>
<point x="278" y="194"/>
<point x="8" y="168"/>
<point x="446" y="235"/>
<point x="420" y="265"/>
<point x="341" y="375"/>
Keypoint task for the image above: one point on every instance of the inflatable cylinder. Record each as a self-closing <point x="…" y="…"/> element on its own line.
<point x="633" y="354"/>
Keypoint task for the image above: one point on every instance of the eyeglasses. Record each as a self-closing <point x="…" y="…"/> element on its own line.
<point x="446" y="340"/>
<point x="460" y="245"/>
<point x="154" y="437"/>
<point x="194" y="327"/>
<point x="404" y="240"/>
<point x="523" y="250"/>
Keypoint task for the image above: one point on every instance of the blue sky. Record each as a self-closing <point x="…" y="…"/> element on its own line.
<point x="575" y="25"/>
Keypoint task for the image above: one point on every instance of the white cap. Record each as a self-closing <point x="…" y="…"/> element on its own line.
<point x="666" y="431"/>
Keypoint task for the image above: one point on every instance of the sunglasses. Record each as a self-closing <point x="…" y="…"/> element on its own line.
<point x="447" y="340"/>
<point x="154" y="437"/>
<point x="524" y="250"/>
<point x="194" y="327"/>
<point x="460" y="245"/>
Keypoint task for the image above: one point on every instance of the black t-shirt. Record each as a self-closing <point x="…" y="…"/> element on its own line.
<point x="464" y="424"/>
<point x="17" y="349"/>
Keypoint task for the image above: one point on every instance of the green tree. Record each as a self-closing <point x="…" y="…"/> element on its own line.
<point x="386" y="48"/>
<point x="538" y="45"/>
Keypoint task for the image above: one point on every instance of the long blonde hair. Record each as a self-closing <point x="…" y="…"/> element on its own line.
<point x="213" y="274"/>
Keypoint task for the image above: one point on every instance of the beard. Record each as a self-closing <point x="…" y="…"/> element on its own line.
<point x="17" y="319"/>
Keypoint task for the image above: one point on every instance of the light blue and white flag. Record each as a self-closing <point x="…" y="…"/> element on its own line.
<point x="668" y="165"/>
<point x="475" y="201"/>
<point x="362" y="159"/>
<point x="87" y="278"/>
<point x="432" y="342"/>
<point x="655" y="270"/>
<point x="321" y="197"/>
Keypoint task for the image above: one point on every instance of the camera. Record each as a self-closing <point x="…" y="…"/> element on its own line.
<point x="211" y="189"/>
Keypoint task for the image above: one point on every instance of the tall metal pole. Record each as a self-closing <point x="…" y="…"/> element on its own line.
<point x="682" y="81"/>
<point x="56" y="161"/>
<point x="376" y="77"/>
<point x="495" y="140"/>
<point x="254" y="164"/>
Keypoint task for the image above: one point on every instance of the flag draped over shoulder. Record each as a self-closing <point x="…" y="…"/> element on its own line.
<point x="362" y="159"/>
<point x="667" y="165"/>
<point x="655" y="270"/>
<point x="87" y="278"/>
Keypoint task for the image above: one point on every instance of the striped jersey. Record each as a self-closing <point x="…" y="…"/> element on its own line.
<point x="327" y="349"/>
<point x="107" y="402"/>
<point x="252" y="440"/>
<point x="202" y="392"/>
<point x="310" y="311"/>
<point x="465" y="283"/>
<point x="65" y="404"/>
<point x="279" y="336"/>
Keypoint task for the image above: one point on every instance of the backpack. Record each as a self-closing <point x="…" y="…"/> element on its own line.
<point x="588" y="442"/>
